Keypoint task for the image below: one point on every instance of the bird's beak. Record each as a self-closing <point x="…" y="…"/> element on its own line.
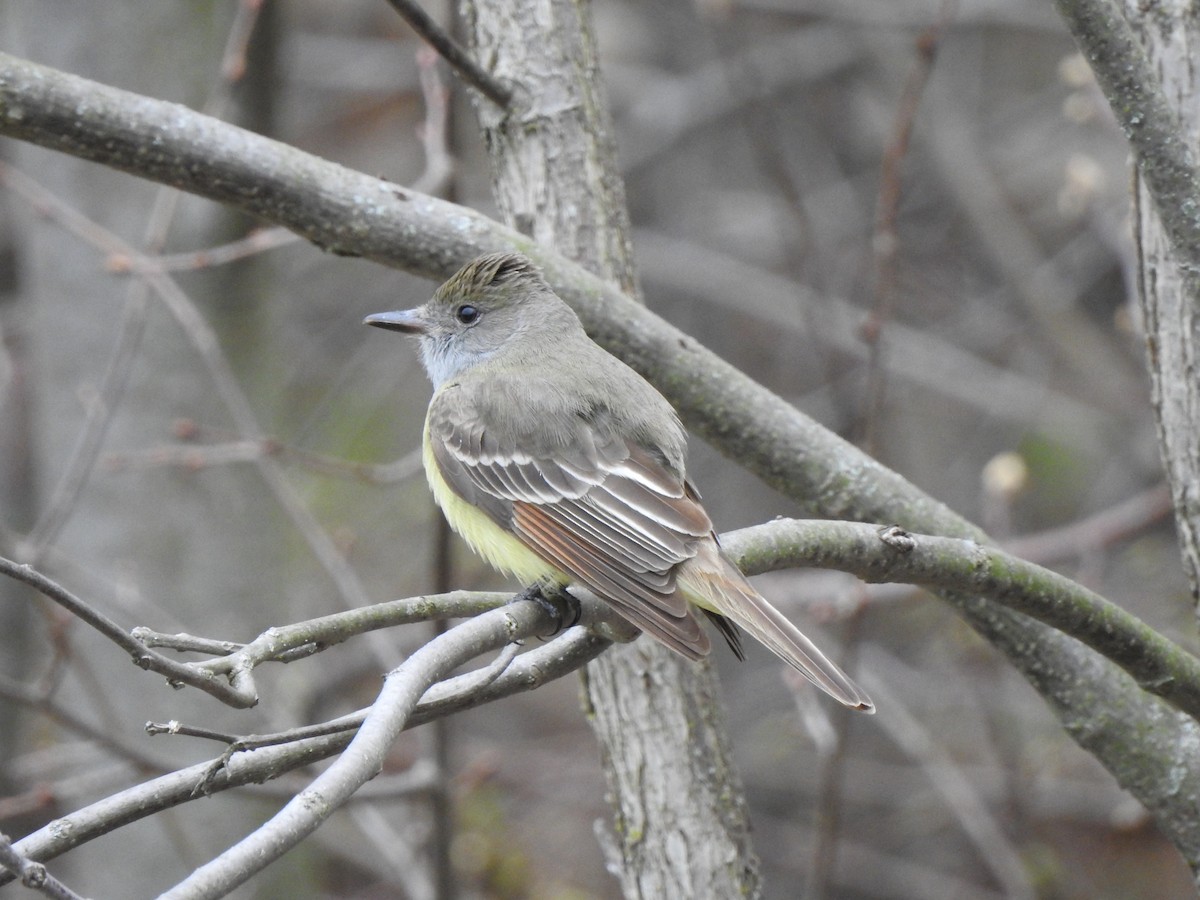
<point x="409" y="321"/>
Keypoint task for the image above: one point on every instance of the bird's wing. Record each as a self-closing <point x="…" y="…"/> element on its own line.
<point x="602" y="509"/>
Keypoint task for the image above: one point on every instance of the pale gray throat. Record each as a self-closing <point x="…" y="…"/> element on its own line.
<point x="445" y="359"/>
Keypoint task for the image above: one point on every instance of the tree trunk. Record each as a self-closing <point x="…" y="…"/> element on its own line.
<point x="1171" y="35"/>
<point x="681" y="823"/>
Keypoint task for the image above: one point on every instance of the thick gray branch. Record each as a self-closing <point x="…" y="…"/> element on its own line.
<point x="1134" y="91"/>
<point x="1159" y="666"/>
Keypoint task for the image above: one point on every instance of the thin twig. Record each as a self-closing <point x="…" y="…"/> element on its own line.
<point x="886" y="243"/>
<point x="233" y="59"/>
<point x="364" y="757"/>
<point x="257" y="241"/>
<point x="439" y="165"/>
<point x="456" y="56"/>
<point x="143" y="656"/>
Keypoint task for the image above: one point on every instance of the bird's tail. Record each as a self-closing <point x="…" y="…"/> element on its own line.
<point x="712" y="582"/>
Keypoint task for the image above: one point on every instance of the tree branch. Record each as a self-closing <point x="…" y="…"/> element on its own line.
<point x="567" y="653"/>
<point x="455" y="55"/>
<point x="143" y="656"/>
<point x="33" y="874"/>
<point x="354" y="214"/>
<point x="1159" y="666"/>
<point x="1164" y="158"/>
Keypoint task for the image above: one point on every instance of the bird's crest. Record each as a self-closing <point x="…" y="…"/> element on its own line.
<point x="491" y="275"/>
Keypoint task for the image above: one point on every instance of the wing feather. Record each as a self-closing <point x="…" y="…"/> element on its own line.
<point x="631" y="597"/>
<point x="608" y="512"/>
<point x="640" y="554"/>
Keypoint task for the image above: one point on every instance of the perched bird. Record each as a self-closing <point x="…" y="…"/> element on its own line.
<point x="558" y="463"/>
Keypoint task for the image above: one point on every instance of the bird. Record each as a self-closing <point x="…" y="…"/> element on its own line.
<point x="559" y="464"/>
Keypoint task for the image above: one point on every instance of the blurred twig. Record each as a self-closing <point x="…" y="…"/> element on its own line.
<point x="667" y="109"/>
<point x="833" y="755"/>
<point x="959" y="794"/>
<point x="257" y="241"/>
<point x="886" y="242"/>
<point x="1119" y="522"/>
<point x="1036" y="279"/>
<point x="439" y="165"/>
<point x="918" y="357"/>
<point x="144" y="657"/>
<point x="233" y="60"/>
<point x="41" y="701"/>
<point x="199" y="456"/>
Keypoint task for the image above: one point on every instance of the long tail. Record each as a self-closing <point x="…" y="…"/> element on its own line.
<point x="712" y="582"/>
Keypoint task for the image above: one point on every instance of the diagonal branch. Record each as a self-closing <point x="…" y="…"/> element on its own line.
<point x="143" y="656"/>
<point x="1134" y="92"/>
<point x="433" y="34"/>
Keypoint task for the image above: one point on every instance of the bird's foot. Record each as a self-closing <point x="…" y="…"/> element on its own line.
<point x="558" y="603"/>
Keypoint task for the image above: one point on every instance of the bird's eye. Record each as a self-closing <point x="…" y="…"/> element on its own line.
<point x="466" y="313"/>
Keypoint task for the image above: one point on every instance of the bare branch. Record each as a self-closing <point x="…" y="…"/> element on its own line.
<point x="33" y="874"/>
<point x="1159" y="666"/>
<point x="459" y="59"/>
<point x="364" y="757"/>
<point x="143" y="656"/>
<point x="567" y="653"/>
<point x="1134" y="92"/>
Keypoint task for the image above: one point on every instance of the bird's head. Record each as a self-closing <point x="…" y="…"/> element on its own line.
<point x="495" y="303"/>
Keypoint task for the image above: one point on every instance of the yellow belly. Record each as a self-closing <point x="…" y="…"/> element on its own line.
<point x="499" y="548"/>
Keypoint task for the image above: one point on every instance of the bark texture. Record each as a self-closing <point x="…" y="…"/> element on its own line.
<point x="1170" y="305"/>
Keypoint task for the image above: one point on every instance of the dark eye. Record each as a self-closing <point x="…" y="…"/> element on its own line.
<point x="466" y="313"/>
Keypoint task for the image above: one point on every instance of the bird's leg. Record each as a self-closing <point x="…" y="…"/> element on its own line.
<point x="559" y="603"/>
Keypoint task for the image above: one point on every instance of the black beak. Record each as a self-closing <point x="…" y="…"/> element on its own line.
<point x="408" y="321"/>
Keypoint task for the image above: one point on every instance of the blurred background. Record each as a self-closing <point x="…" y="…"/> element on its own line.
<point x="909" y="218"/>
